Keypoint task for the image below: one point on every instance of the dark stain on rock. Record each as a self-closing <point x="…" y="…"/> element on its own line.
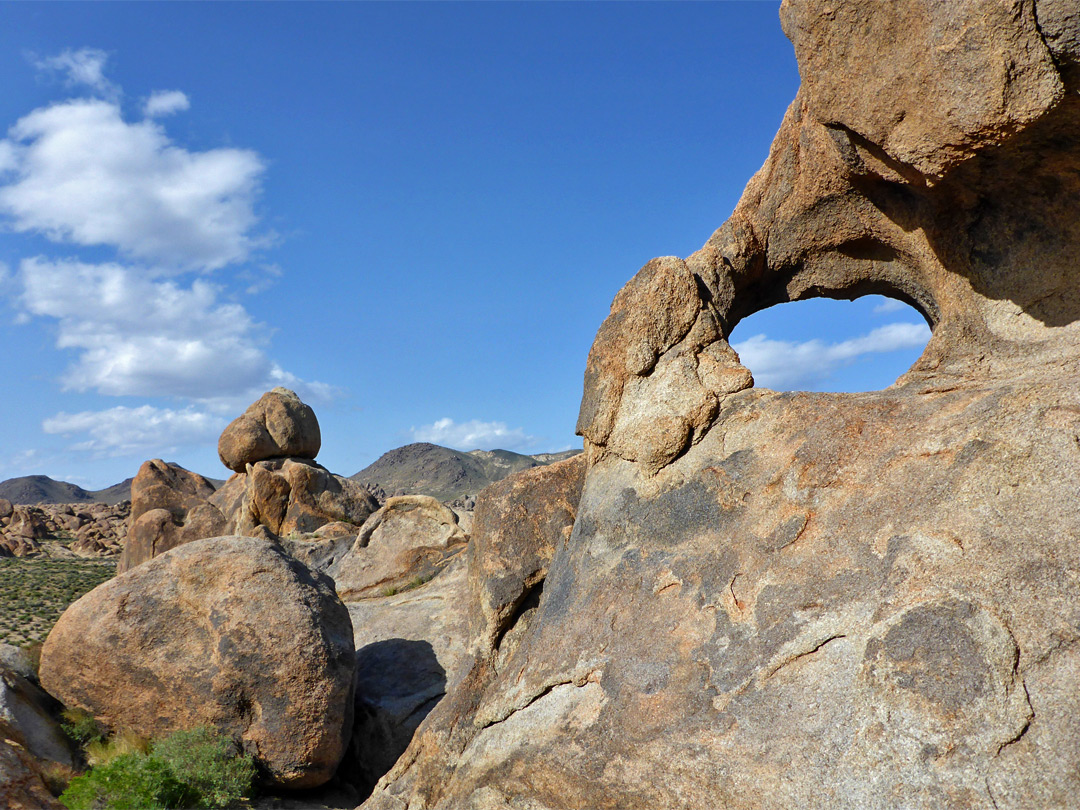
<point x="933" y="652"/>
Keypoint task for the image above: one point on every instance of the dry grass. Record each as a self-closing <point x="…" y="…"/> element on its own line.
<point x="33" y="593"/>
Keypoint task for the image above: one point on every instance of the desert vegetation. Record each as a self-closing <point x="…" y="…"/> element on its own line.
<point x="35" y="592"/>
<point x="199" y="768"/>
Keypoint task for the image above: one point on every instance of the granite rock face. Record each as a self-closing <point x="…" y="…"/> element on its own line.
<point x="775" y="600"/>
<point x="168" y="508"/>
<point x="405" y="540"/>
<point x="277" y="425"/>
<point x="22" y="786"/>
<point x="227" y="632"/>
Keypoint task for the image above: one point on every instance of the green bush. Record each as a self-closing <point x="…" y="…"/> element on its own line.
<point x="81" y="726"/>
<point x="129" y="782"/>
<point x="196" y="769"/>
<point x="210" y="764"/>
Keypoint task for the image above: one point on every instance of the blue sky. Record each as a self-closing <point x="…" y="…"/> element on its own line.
<point x="416" y="215"/>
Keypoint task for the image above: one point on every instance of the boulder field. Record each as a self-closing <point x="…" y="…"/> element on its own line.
<point x="776" y="600"/>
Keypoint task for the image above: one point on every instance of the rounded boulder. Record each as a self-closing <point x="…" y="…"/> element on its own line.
<point x="275" y="426"/>
<point x="227" y="632"/>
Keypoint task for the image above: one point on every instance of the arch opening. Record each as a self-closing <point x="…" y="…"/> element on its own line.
<point x="825" y="344"/>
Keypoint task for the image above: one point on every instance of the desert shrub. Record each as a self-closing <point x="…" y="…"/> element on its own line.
<point x="129" y="782"/>
<point x="210" y="764"/>
<point x="81" y="726"/>
<point x="196" y="769"/>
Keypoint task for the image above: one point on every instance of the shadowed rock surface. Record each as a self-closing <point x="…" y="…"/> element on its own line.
<point x="22" y="786"/>
<point x="776" y="600"/>
<point x="228" y="632"/>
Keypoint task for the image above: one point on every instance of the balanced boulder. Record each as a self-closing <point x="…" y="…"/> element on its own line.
<point x="276" y="426"/>
<point x="226" y="632"/>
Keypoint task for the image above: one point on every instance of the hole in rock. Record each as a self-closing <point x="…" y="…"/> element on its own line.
<point x="823" y="344"/>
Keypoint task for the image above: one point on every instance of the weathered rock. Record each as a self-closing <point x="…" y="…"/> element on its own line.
<point x="169" y="507"/>
<point x="226" y="632"/>
<point x="826" y="600"/>
<point x="28" y="523"/>
<point x="520" y="523"/>
<point x="293" y="497"/>
<point x="17" y="546"/>
<point x="406" y="540"/>
<point x="22" y="786"/>
<point x="6" y="509"/>
<point x="275" y="426"/>
<point x="27" y="716"/>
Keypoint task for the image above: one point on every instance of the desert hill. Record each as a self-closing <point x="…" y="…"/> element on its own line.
<point x="32" y="489"/>
<point x="445" y="474"/>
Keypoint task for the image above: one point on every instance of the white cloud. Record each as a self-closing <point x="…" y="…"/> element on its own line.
<point x="84" y="175"/>
<point x="472" y="435"/>
<point x="165" y="102"/>
<point x="85" y="66"/>
<point x="786" y="365"/>
<point x="143" y="337"/>
<point x="137" y="431"/>
<point x="889" y="305"/>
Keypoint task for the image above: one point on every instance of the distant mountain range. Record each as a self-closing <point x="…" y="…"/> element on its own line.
<point x="445" y="474"/>
<point x="42" y="489"/>
<point x="415" y="469"/>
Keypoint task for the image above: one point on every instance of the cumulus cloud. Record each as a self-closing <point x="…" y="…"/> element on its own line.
<point x="472" y="435"/>
<point x="77" y="172"/>
<point x="143" y="430"/>
<point x="889" y="305"/>
<point x="786" y="365"/>
<point x="165" y="102"/>
<point x="85" y="66"/>
<point x="144" y="337"/>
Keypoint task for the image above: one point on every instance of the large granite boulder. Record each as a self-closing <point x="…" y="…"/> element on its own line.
<point x="852" y="601"/>
<point x="168" y="508"/>
<point x="519" y="524"/>
<point x="277" y="425"/>
<point x="226" y="632"/>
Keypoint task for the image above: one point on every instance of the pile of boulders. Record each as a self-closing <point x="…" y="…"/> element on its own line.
<point x="86" y="530"/>
<point x="277" y="490"/>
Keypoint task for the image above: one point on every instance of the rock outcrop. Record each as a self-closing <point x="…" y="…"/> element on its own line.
<point x="227" y="632"/>
<point x="169" y="506"/>
<point x="405" y="584"/>
<point x="22" y="785"/>
<point x="271" y="495"/>
<point x="775" y="600"/>
<point x="291" y="496"/>
<point x="27" y="717"/>
<point x="278" y="425"/>
<point x="406" y="540"/>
